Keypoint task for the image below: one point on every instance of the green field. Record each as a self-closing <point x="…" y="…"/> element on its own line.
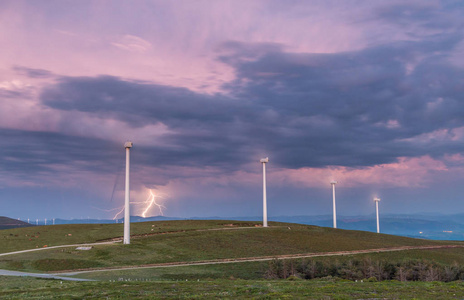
<point x="54" y="235"/>
<point x="193" y="241"/>
<point x="256" y="270"/>
<point x="181" y="241"/>
<point x="19" y="288"/>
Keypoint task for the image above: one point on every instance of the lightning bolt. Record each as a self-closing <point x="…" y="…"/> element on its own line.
<point x="121" y="209"/>
<point x="150" y="202"/>
<point x="120" y="212"/>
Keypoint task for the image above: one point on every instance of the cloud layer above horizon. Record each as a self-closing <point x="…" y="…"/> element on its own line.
<point x="370" y="94"/>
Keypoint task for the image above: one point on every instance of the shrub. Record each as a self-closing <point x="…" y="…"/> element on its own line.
<point x="411" y="270"/>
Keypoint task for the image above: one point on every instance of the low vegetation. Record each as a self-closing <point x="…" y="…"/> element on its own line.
<point x="55" y="235"/>
<point x="52" y="264"/>
<point x="184" y="241"/>
<point x="191" y="241"/>
<point x="327" y="288"/>
<point x="366" y="269"/>
<point x="258" y="270"/>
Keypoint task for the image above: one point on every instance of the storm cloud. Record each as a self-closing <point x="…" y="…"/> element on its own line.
<point x="30" y="152"/>
<point x="367" y="93"/>
<point x="359" y="108"/>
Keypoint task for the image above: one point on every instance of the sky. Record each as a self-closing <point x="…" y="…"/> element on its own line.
<point x="368" y="93"/>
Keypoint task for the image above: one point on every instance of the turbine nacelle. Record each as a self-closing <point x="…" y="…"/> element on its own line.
<point x="128" y="145"/>
<point x="264" y="160"/>
<point x="333" y="182"/>
<point x="377" y="199"/>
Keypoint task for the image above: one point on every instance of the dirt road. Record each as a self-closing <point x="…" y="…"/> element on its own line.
<point x="261" y="258"/>
<point x="119" y="240"/>
<point x="54" y="247"/>
<point x="38" y="275"/>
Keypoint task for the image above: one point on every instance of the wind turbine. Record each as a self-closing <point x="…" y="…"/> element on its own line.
<point x="264" y="161"/>
<point x="377" y="200"/>
<point x="333" y="183"/>
<point x="127" y="145"/>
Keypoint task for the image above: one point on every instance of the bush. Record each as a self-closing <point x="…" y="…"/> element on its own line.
<point x="411" y="270"/>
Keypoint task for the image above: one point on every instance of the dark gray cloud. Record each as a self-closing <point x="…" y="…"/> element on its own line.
<point x="138" y="103"/>
<point x="206" y="128"/>
<point x="357" y="97"/>
<point x="32" y="73"/>
<point x="423" y="18"/>
<point x="353" y="109"/>
<point x="6" y="93"/>
<point x="30" y="152"/>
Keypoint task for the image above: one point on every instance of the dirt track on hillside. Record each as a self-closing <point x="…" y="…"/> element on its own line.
<point x="254" y="259"/>
<point x="119" y="239"/>
<point x="142" y="235"/>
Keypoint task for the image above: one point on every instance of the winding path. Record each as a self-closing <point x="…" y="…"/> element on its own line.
<point x="253" y="259"/>
<point x="119" y="239"/>
<point x="62" y="274"/>
<point x="46" y="276"/>
<point x="60" y="246"/>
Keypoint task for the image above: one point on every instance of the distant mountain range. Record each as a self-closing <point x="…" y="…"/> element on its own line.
<point x="437" y="227"/>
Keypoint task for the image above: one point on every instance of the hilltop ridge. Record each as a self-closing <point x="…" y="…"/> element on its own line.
<point x="9" y="223"/>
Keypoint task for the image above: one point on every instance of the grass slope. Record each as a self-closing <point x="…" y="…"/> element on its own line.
<point x="8" y="223"/>
<point x="27" y="288"/>
<point x="256" y="270"/>
<point x="175" y="241"/>
<point x="55" y="235"/>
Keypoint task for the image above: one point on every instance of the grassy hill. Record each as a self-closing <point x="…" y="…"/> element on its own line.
<point x="184" y="241"/>
<point x="24" y="288"/>
<point x="8" y="223"/>
<point x="55" y="235"/>
<point x="190" y="241"/>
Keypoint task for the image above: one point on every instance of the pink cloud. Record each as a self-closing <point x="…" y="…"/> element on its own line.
<point x="407" y="172"/>
<point x="440" y="135"/>
<point x="179" y="51"/>
<point x="132" y="43"/>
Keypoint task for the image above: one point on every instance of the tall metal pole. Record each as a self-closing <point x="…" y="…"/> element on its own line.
<point x="334" y="207"/>
<point x="264" y="161"/>
<point x="127" y="145"/>
<point x="377" y="213"/>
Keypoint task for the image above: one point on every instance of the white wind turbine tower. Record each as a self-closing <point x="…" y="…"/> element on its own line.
<point x="127" y="145"/>
<point x="377" y="200"/>
<point x="333" y="183"/>
<point x="264" y="161"/>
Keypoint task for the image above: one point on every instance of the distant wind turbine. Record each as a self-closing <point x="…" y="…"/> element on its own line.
<point x="127" y="145"/>
<point x="264" y="161"/>
<point x="333" y="183"/>
<point x="377" y="200"/>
